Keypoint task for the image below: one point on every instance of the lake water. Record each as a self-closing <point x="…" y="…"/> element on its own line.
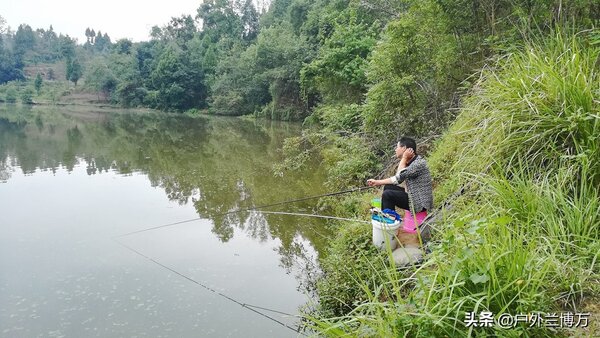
<point x="73" y="181"/>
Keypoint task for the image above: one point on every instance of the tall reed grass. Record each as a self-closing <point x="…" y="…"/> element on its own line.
<point x="524" y="237"/>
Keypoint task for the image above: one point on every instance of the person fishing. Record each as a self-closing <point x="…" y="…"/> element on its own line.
<point x="413" y="170"/>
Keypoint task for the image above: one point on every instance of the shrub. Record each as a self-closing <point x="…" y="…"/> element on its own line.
<point x="340" y="118"/>
<point x="351" y="261"/>
<point x="349" y="161"/>
<point x="11" y="95"/>
<point x="27" y="95"/>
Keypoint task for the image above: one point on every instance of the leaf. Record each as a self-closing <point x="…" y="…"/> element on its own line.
<point x="473" y="230"/>
<point x="503" y="221"/>
<point x="468" y="252"/>
<point x="477" y="279"/>
<point x="459" y="223"/>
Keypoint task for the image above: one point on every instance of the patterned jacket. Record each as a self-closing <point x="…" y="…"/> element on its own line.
<point x="418" y="184"/>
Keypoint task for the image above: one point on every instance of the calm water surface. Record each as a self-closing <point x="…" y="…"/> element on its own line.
<point x="71" y="181"/>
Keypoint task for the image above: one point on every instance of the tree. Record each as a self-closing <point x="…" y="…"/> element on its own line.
<point x="11" y="95"/>
<point x="122" y="80"/>
<point x="414" y="72"/>
<point x="122" y="46"/>
<point x="338" y="72"/>
<point x="180" y="30"/>
<point x="220" y="20"/>
<point x="280" y="55"/>
<point x="144" y="55"/>
<point x="180" y="85"/>
<point x="27" y="95"/>
<point x="24" y="40"/>
<point x="2" y="25"/>
<point x="249" y="21"/>
<point x="266" y="73"/>
<point x="107" y="39"/>
<point x="68" y="69"/>
<point x="74" y="70"/>
<point x="10" y="68"/>
<point x="101" y="78"/>
<point x="67" y="46"/>
<point x="88" y="36"/>
<point x="277" y="13"/>
<point x="239" y="88"/>
<point x="99" y="42"/>
<point x="47" y="45"/>
<point x="38" y="83"/>
<point x="298" y="13"/>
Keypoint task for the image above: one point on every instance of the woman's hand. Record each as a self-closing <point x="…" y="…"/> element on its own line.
<point x="372" y="182"/>
<point x="408" y="154"/>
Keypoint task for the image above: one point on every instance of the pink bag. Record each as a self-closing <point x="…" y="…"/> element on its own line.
<point x="409" y="221"/>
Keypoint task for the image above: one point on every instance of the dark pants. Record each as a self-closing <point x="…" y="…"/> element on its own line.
<point x="394" y="196"/>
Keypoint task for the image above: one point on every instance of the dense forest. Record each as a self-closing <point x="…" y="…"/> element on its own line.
<point x="508" y="90"/>
<point x="299" y="57"/>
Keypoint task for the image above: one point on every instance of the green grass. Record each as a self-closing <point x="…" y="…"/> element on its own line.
<point x="540" y="106"/>
<point x="524" y="237"/>
<point x="51" y="92"/>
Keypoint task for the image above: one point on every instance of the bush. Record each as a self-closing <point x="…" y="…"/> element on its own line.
<point x="27" y="95"/>
<point x="340" y="118"/>
<point x="351" y="261"/>
<point x="349" y="162"/>
<point x="151" y="99"/>
<point x="11" y="95"/>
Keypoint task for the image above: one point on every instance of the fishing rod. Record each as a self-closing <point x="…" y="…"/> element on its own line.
<point x="247" y="209"/>
<point x="244" y="305"/>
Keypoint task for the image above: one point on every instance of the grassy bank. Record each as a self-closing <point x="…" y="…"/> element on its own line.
<point x="522" y="237"/>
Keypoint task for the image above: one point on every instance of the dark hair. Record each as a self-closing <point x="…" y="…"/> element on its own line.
<point x="408" y="143"/>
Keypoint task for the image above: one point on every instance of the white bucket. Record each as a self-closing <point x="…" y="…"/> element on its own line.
<point x="385" y="233"/>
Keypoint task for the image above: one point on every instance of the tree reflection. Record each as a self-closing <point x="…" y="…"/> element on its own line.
<point x="5" y="170"/>
<point x="220" y="165"/>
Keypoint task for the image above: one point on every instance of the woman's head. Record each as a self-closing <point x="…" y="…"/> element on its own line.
<point x="405" y="143"/>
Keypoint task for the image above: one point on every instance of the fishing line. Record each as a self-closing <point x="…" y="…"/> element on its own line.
<point x="316" y="216"/>
<point x="244" y="305"/>
<point x="313" y="215"/>
<point x="271" y="310"/>
<point x="312" y="228"/>
<point x="245" y="209"/>
<point x="247" y="306"/>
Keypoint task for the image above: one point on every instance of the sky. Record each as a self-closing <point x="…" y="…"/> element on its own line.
<point x="130" y="19"/>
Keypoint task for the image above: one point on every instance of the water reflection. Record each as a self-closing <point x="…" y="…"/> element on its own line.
<point x="217" y="164"/>
<point x="73" y="179"/>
